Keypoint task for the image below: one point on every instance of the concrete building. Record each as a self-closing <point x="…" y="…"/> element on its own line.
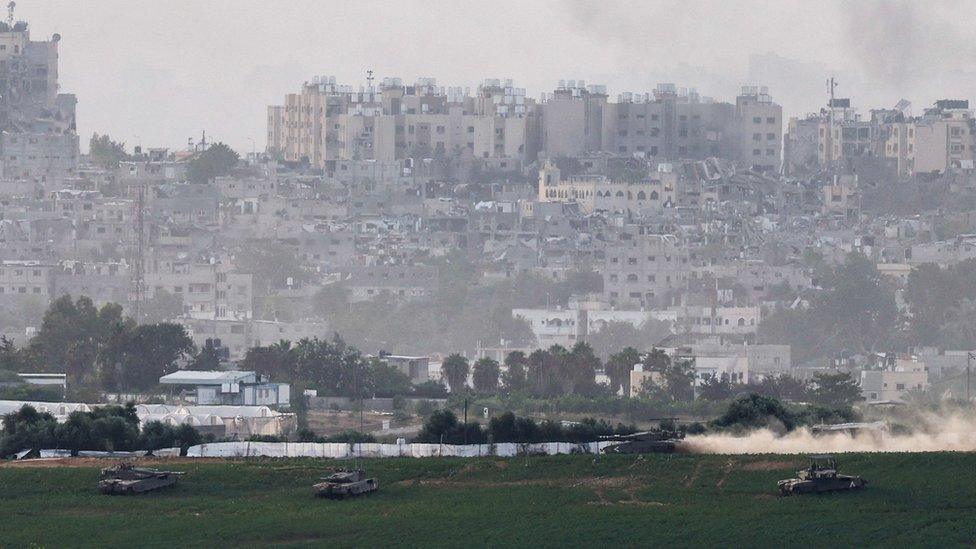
<point x="642" y="269"/>
<point x="38" y="139"/>
<point x="654" y="192"/>
<point x="892" y="383"/>
<point x="758" y="129"/>
<point x="396" y="281"/>
<point x="327" y="123"/>
<point x="415" y="367"/>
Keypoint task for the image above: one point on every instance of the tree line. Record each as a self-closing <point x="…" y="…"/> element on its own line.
<point x="101" y="348"/>
<point x="106" y="428"/>
<point x="855" y="311"/>
<point x="443" y="426"/>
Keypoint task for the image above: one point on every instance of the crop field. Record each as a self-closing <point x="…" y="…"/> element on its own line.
<point x="655" y="500"/>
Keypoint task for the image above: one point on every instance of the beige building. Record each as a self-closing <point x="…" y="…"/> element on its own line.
<point x="209" y="291"/>
<point x="894" y="382"/>
<point x="644" y="269"/>
<point x="758" y="129"/>
<point x="598" y="193"/>
<point x="326" y="123"/>
<point x="944" y="138"/>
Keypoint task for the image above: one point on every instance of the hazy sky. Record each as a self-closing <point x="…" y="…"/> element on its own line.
<point x="159" y="71"/>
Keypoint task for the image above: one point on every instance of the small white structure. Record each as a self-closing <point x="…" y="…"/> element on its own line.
<point x="230" y="388"/>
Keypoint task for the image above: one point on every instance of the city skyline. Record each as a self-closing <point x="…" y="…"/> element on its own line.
<point x="171" y="82"/>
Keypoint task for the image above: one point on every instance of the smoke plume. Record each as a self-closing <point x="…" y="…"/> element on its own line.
<point x="935" y="433"/>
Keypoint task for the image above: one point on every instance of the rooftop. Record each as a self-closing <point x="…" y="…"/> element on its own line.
<point x="191" y="377"/>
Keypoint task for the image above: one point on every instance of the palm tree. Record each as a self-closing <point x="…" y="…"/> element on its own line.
<point x="486" y="372"/>
<point x="455" y="370"/>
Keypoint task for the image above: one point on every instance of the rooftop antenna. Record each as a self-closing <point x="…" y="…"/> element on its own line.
<point x="10" y="13"/>
<point x="369" y="79"/>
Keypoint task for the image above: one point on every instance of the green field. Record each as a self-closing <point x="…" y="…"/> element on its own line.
<point x="913" y="499"/>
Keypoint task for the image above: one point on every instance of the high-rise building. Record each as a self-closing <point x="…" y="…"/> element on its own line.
<point x="39" y="139"/>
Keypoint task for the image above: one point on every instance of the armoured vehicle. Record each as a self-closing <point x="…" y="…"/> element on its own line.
<point x="344" y="483"/>
<point x="125" y="479"/>
<point x="820" y="476"/>
<point x="664" y="440"/>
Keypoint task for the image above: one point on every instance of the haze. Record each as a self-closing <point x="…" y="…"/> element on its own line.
<point x="158" y="72"/>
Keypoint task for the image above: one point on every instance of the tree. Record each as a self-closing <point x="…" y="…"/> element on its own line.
<point x="27" y="429"/>
<point x="387" y="380"/>
<point x="430" y="389"/>
<point x="678" y="375"/>
<point x="783" y="387"/>
<point x="756" y="411"/>
<point x="443" y="426"/>
<point x="106" y="153"/>
<point x="618" y="369"/>
<point x="614" y="336"/>
<point x="960" y="331"/>
<point x="838" y="390"/>
<point x="162" y="307"/>
<point x="716" y="388"/>
<point x="135" y="358"/>
<point x="12" y="359"/>
<point x="514" y="376"/>
<point x="218" y="159"/>
<point x="580" y="370"/>
<point x="485" y="375"/>
<point x="455" y="370"/>
<point x="207" y="358"/>
<point x="157" y="435"/>
<point x="277" y="361"/>
<point x="72" y="335"/>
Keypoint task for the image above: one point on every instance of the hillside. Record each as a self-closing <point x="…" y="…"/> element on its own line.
<point x="548" y="501"/>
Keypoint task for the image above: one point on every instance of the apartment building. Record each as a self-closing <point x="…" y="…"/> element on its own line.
<point x="642" y="269"/>
<point x="209" y="291"/>
<point x="899" y="376"/>
<point x="939" y="140"/>
<point x="329" y="123"/>
<point x="397" y="281"/>
<point x="38" y="139"/>
<point x="758" y="130"/>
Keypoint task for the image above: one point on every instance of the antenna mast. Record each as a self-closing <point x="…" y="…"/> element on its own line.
<point x="831" y="85"/>
<point x="10" y="14"/>
<point x="137" y="279"/>
<point x="369" y="80"/>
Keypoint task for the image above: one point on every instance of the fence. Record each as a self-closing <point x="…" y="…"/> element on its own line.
<point x="375" y="450"/>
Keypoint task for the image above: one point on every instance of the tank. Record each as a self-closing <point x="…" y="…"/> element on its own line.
<point x="663" y="440"/>
<point x="343" y="483"/>
<point x="821" y="476"/>
<point x="125" y="479"/>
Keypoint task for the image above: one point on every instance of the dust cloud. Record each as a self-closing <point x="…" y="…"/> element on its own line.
<point x="955" y="433"/>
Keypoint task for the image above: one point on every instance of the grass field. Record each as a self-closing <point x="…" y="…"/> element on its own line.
<point x="913" y="499"/>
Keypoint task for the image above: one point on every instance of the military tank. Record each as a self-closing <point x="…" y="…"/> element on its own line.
<point x="126" y="479"/>
<point x="663" y="440"/>
<point x="343" y="483"/>
<point x="821" y="476"/>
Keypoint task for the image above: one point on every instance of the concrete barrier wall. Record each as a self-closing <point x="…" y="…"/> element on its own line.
<point x="374" y="450"/>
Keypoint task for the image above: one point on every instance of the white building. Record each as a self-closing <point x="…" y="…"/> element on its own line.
<point x="235" y="388"/>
